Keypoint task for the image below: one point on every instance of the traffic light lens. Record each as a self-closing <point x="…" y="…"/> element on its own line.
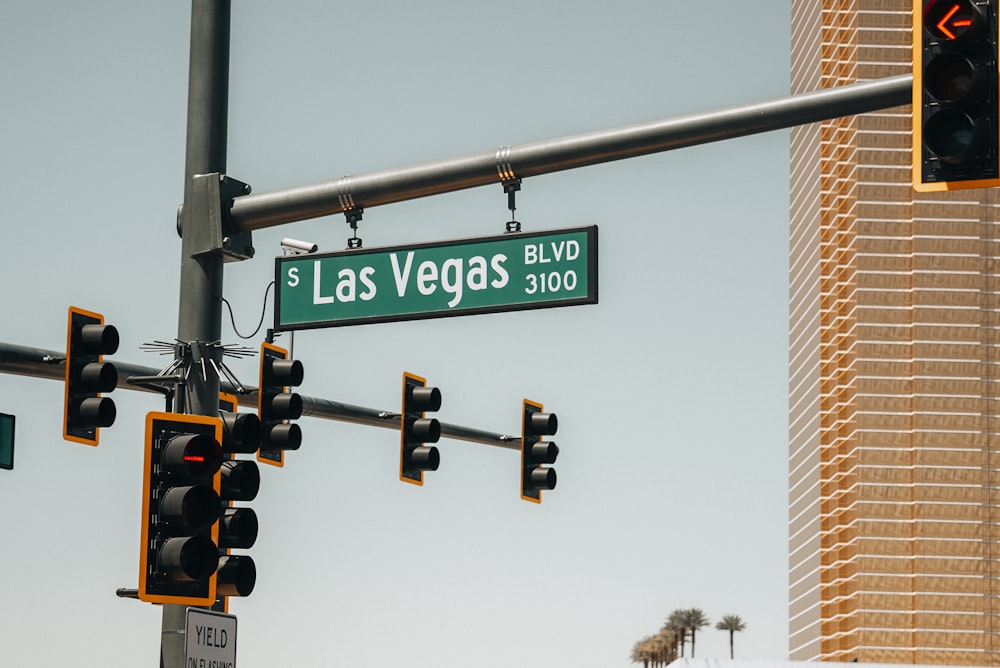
<point x="949" y="77"/>
<point x="195" y="507"/>
<point x="950" y="19"/>
<point x="197" y="455"/>
<point x="191" y="558"/>
<point x="950" y="134"/>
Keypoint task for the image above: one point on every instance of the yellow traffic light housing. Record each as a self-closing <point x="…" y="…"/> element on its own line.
<point x="955" y="102"/>
<point x="276" y="406"/>
<point x="88" y="339"/>
<point x="415" y="429"/>
<point x="535" y="452"/>
<point x="181" y="507"/>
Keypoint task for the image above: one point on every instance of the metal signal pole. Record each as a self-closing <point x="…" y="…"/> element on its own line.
<point x="200" y="303"/>
<point x="492" y="167"/>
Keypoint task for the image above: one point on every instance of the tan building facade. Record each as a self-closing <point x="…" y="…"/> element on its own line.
<point x="894" y="374"/>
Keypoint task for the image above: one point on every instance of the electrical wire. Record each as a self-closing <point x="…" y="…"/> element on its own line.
<point x="263" y="311"/>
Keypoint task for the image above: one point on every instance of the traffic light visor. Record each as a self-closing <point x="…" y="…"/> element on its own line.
<point x="423" y="398"/>
<point x="99" y="339"/>
<point x="284" y="372"/>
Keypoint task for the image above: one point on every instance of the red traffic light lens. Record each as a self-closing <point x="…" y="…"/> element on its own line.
<point x="197" y="455"/>
<point x="950" y="19"/>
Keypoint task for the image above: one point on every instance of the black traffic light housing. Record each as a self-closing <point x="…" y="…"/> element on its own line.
<point x="416" y="429"/>
<point x="955" y="95"/>
<point x="239" y="480"/>
<point x="276" y="405"/>
<point x="535" y="452"/>
<point x="179" y="553"/>
<point x="88" y="339"/>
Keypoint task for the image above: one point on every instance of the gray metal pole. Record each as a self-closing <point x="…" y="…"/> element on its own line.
<point x="48" y="364"/>
<point x="200" y="301"/>
<point x="491" y="167"/>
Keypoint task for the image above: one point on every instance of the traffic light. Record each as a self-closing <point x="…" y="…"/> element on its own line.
<point x="239" y="480"/>
<point x="535" y="452"/>
<point x="415" y="429"/>
<point x="955" y="101"/>
<point x="241" y="432"/>
<point x="88" y="339"/>
<point x="276" y="405"/>
<point x="237" y="574"/>
<point x="181" y="507"/>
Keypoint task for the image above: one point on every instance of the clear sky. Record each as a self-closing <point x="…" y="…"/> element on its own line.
<point x="671" y="392"/>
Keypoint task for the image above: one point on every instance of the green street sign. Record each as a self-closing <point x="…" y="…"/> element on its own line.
<point x="6" y="441"/>
<point x="511" y="272"/>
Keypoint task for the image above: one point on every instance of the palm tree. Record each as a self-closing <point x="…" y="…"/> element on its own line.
<point x="658" y="648"/>
<point x="731" y="623"/>
<point x="693" y="619"/>
<point x="675" y="623"/>
<point x="639" y="654"/>
<point x="667" y="642"/>
<point x="642" y="651"/>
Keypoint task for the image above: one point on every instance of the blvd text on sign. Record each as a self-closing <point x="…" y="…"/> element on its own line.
<point x="463" y="277"/>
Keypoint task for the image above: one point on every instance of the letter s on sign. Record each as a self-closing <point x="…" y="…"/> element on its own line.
<point x="293" y="276"/>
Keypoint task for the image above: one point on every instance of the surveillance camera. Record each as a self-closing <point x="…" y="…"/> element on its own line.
<point x="296" y="247"/>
